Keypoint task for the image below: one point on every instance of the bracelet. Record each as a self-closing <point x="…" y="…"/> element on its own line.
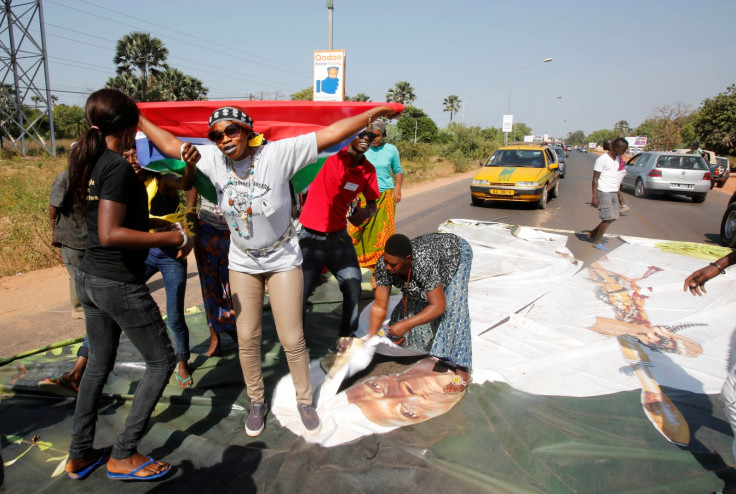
<point x="181" y="151"/>
<point x="185" y="239"/>
<point x="723" y="271"/>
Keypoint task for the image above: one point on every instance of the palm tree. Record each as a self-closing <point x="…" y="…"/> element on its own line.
<point x="452" y="104"/>
<point x="359" y="97"/>
<point x="139" y="50"/>
<point x="402" y="92"/>
<point x="127" y="83"/>
<point x="174" y="85"/>
<point x="622" y="127"/>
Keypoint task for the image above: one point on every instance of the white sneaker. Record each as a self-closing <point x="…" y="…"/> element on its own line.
<point x="624" y="208"/>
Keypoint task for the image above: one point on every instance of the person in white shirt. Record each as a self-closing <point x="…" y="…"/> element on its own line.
<point x="606" y="183"/>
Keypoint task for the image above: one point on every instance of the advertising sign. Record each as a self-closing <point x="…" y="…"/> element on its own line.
<point x="329" y="75"/>
<point x="638" y="142"/>
<point x="508" y="123"/>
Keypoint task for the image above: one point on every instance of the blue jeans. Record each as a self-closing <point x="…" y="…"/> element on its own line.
<point x="174" y="273"/>
<point x="336" y="251"/>
<point x="109" y="308"/>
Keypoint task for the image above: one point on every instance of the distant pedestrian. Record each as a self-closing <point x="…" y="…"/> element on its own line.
<point x="623" y="208"/>
<point x="69" y="233"/>
<point x="605" y="188"/>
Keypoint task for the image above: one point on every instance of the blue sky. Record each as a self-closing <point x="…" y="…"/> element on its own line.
<point x="611" y="60"/>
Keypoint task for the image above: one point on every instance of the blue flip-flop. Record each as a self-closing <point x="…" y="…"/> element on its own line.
<point x="132" y="474"/>
<point x="84" y="472"/>
<point x="600" y="246"/>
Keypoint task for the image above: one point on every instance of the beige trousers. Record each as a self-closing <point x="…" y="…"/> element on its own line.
<point x="285" y="293"/>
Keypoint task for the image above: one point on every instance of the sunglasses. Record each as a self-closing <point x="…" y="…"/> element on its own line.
<point x="231" y="130"/>
<point x="370" y="135"/>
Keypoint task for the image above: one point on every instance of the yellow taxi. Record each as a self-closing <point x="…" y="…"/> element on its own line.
<point x="518" y="172"/>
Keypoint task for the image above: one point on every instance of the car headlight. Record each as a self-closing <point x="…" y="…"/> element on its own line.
<point x="527" y="184"/>
<point x="480" y="182"/>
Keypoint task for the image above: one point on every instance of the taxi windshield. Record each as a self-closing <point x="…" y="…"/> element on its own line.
<point x="524" y="158"/>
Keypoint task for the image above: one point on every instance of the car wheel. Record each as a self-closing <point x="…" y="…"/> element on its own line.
<point x="543" y="200"/>
<point x="555" y="190"/>
<point x="639" y="190"/>
<point x="699" y="198"/>
<point x="728" y="226"/>
<point x="475" y="200"/>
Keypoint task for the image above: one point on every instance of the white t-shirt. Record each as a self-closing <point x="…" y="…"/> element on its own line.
<point x="610" y="178"/>
<point x="275" y="164"/>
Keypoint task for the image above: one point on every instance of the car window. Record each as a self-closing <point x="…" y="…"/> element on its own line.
<point x="550" y="157"/>
<point x="633" y="161"/>
<point x="643" y="160"/>
<point x="723" y="162"/>
<point x="682" y="162"/>
<point x="524" y="158"/>
<point x="560" y="153"/>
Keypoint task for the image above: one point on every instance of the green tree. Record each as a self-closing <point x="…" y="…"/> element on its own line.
<point x="667" y="122"/>
<point x="129" y="84"/>
<point x="519" y="131"/>
<point x="140" y="51"/>
<point x="306" y="94"/>
<point x="174" y="85"/>
<point x="451" y="104"/>
<point x="622" y="127"/>
<point x="358" y="97"/>
<point x="402" y="92"/>
<point x="715" y="122"/>
<point x="414" y="125"/>
<point x="601" y="135"/>
<point x="69" y="121"/>
<point x="576" y="138"/>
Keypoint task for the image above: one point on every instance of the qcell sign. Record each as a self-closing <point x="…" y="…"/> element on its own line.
<point x="329" y="75"/>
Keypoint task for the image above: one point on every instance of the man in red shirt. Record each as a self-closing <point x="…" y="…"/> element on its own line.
<point x="324" y="238"/>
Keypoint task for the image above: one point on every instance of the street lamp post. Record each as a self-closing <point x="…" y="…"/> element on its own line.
<point x="508" y="106"/>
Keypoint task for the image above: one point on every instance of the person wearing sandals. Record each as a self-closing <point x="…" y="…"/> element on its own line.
<point x="112" y="289"/>
<point x="163" y="199"/>
<point x="433" y="272"/>
<point x="251" y="177"/>
<point x="369" y="237"/>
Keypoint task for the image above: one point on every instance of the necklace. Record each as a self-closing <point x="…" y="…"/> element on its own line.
<point x="240" y="196"/>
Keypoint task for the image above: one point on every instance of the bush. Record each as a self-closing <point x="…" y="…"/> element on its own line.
<point x="411" y="151"/>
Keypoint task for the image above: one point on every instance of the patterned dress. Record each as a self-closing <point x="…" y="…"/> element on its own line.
<point x="437" y="259"/>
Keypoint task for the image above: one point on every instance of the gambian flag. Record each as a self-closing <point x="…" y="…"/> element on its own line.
<point x="274" y="119"/>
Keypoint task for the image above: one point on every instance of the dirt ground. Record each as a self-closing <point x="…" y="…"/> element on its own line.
<point x="35" y="310"/>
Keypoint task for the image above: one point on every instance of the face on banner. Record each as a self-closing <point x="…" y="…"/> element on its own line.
<point x="404" y="399"/>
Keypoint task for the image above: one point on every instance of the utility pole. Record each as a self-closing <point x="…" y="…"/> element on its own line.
<point x="330" y="10"/>
<point x="24" y="60"/>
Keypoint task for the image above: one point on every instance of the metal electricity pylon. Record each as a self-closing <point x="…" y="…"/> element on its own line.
<point x="25" y="96"/>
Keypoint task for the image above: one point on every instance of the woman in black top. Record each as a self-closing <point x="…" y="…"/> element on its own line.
<point x="111" y="286"/>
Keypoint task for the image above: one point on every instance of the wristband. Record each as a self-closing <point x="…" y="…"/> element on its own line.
<point x="181" y="151"/>
<point x="185" y="239"/>
<point x="723" y="271"/>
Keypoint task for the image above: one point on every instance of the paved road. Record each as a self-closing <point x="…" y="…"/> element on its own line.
<point x="671" y="218"/>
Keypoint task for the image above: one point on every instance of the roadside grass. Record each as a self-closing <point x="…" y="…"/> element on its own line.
<point x="25" y="185"/>
<point x="25" y="231"/>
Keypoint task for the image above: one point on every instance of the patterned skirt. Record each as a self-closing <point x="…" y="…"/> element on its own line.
<point x="211" y="247"/>
<point x="370" y="237"/>
<point x="448" y="336"/>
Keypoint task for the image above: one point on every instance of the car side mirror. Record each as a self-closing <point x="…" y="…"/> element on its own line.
<point x="554" y="166"/>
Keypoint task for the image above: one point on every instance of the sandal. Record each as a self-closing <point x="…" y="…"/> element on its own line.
<point x="184" y="383"/>
<point x="457" y="381"/>
<point x="58" y="386"/>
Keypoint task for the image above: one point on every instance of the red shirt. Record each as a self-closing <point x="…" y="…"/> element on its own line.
<point x="334" y="188"/>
